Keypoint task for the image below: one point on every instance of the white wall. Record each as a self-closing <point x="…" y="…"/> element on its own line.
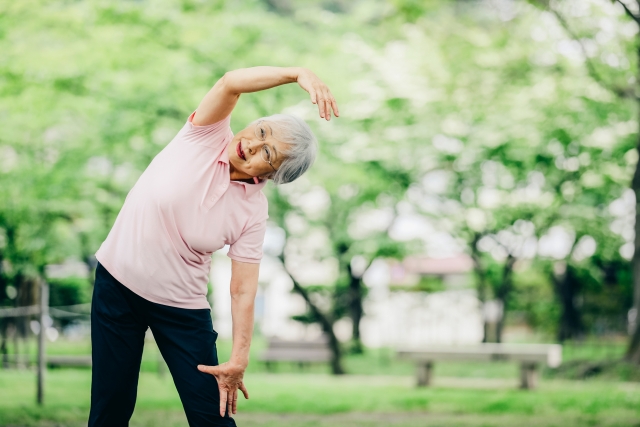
<point x="392" y="319"/>
<point x="275" y="303"/>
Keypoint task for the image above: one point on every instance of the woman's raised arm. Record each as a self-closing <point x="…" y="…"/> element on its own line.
<point x="220" y="101"/>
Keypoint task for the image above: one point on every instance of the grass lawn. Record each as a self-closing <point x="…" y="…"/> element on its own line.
<point x="309" y="399"/>
<point x="379" y="392"/>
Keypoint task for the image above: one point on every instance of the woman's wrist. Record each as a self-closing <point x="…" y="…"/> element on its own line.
<point x="239" y="362"/>
<point x="294" y="73"/>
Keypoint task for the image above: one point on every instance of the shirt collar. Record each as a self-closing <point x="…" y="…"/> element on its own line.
<point x="249" y="189"/>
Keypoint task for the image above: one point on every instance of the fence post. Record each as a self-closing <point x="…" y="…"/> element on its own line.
<point x="42" y="363"/>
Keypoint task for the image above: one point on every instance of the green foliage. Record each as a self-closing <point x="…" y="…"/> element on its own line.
<point x="425" y="284"/>
<point x="534" y="296"/>
<point x="69" y="291"/>
<point x="491" y="104"/>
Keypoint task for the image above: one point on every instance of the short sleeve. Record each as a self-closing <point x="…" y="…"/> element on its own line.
<point x="213" y="135"/>
<point x="248" y="247"/>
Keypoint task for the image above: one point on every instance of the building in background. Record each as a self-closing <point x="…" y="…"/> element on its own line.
<point x="421" y="301"/>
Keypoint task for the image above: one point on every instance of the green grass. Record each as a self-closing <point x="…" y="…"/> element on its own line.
<point x="312" y="399"/>
<point x="379" y="392"/>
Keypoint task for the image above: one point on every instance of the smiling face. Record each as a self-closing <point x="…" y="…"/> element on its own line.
<point x="251" y="150"/>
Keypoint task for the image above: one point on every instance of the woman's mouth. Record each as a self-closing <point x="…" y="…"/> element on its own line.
<point x="240" y="151"/>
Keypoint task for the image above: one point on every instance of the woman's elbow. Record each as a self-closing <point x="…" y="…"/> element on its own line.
<point x="226" y="83"/>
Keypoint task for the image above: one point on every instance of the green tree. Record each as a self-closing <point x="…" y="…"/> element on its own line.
<point x="615" y="74"/>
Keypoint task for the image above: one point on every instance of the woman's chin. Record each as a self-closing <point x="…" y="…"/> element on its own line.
<point x="238" y="173"/>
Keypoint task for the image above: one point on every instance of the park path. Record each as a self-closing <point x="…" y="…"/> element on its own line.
<point x="426" y="420"/>
<point x="358" y="419"/>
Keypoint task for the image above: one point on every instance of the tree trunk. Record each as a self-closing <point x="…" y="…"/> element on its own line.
<point x="355" y="309"/>
<point x="500" y="323"/>
<point x="3" y="345"/>
<point x="327" y="328"/>
<point x="4" y="323"/>
<point x="633" y="352"/>
<point x="325" y="323"/>
<point x="503" y="294"/>
<point x="567" y="288"/>
<point x="482" y="282"/>
<point x="16" y="347"/>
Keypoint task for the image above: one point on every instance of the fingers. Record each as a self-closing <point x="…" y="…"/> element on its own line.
<point x="319" y="100"/>
<point x="213" y="370"/>
<point x="320" y="94"/>
<point x="334" y="105"/>
<point x="244" y="391"/>
<point x="325" y="101"/>
<point x="324" y="108"/>
<point x="223" y="400"/>
<point x="234" y="407"/>
<point x="327" y="108"/>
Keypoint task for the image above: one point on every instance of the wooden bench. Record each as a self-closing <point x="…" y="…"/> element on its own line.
<point x="530" y="357"/>
<point x="301" y="352"/>
<point x="60" y="361"/>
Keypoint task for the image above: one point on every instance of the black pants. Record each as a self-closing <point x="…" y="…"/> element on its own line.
<point x="119" y="320"/>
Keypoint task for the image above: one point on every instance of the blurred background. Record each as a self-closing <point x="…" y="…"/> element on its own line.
<point x="478" y="188"/>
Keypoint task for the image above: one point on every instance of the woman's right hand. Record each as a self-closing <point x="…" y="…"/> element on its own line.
<point x="319" y="93"/>
<point x="230" y="380"/>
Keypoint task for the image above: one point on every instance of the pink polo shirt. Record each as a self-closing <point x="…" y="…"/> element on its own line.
<point x="182" y="209"/>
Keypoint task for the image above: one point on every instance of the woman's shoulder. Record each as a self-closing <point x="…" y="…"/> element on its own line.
<point x="210" y="135"/>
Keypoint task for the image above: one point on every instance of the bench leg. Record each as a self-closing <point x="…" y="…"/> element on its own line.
<point x="528" y="376"/>
<point x="424" y="371"/>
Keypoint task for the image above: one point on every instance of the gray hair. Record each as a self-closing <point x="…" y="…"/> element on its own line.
<point x="303" y="146"/>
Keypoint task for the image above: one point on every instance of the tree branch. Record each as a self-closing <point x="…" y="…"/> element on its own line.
<point x="325" y="323"/>
<point x="591" y="69"/>
<point x="630" y="14"/>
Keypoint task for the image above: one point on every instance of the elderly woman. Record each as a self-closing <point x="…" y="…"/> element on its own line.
<point x="203" y="191"/>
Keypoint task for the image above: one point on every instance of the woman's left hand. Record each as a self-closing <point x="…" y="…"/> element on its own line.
<point x="319" y="92"/>
<point x="229" y="379"/>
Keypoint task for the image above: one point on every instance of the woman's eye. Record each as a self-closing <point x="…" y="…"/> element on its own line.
<point x="267" y="152"/>
<point x="263" y="133"/>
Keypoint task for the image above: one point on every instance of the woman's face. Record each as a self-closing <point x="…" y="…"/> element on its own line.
<point x="252" y="149"/>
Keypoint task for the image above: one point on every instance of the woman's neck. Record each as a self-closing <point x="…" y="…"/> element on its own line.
<point x="235" y="175"/>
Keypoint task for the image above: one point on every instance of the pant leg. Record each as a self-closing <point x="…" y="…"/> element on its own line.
<point x="186" y="339"/>
<point x="117" y="340"/>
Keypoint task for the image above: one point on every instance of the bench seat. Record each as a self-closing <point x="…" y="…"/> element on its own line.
<point x="60" y="361"/>
<point x="302" y="352"/>
<point x="530" y="357"/>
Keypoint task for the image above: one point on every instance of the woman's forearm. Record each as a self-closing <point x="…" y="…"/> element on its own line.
<point x="255" y="79"/>
<point x="242" y="306"/>
<point x="220" y="101"/>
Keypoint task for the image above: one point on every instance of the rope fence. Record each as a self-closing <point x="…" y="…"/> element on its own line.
<point x="44" y="318"/>
<point x="59" y="311"/>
